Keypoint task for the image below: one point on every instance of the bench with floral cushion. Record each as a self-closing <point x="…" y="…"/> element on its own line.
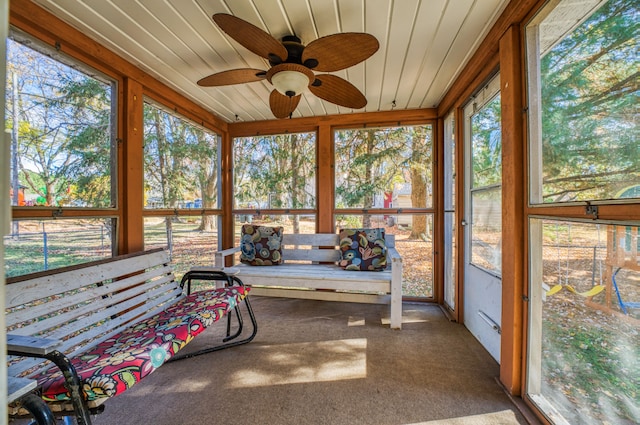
<point x="356" y="265"/>
<point x="108" y="324"/>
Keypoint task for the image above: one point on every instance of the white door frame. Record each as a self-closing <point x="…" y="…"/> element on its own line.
<point x="482" y="299"/>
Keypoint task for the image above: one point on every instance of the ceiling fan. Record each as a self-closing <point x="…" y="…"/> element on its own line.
<point x="293" y="65"/>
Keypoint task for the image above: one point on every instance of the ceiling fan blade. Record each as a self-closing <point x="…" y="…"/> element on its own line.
<point x="251" y="37"/>
<point x="338" y="90"/>
<point x="339" y="51"/>
<point x="283" y="106"/>
<point x="233" y="76"/>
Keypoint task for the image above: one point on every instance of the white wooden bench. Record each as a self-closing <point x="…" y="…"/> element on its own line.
<point x="108" y="324"/>
<point x="310" y="271"/>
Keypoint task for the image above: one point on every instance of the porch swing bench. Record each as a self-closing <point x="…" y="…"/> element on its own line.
<point x="310" y="272"/>
<point x="107" y="324"/>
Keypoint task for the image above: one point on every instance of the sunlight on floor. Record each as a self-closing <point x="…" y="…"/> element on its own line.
<point x="505" y="417"/>
<point x="356" y="321"/>
<point x="305" y="362"/>
<point x="410" y="316"/>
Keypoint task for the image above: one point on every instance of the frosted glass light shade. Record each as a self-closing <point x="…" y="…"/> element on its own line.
<point x="290" y="83"/>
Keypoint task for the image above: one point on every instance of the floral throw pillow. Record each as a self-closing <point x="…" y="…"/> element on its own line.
<point x="363" y="249"/>
<point x="261" y="245"/>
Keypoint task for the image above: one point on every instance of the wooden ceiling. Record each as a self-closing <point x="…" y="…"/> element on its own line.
<point x="424" y="45"/>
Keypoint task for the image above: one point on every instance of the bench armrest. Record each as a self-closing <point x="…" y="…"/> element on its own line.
<point x="393" y="255"/>
<point x="18" y="387"/>
<point x="220" y="255"/>
<point x="45" y="348"/>
<point x="395" y="261"/>
<point x="31" y="345"/>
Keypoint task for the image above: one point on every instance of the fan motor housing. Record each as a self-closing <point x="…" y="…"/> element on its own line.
<point x="294" y="48"/>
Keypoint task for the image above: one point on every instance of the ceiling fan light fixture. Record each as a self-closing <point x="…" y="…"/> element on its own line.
<point x="290" y="83"/>
<point x="293" y="65"/>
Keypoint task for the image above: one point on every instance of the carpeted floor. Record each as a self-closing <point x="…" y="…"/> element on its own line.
<point x="316" y="362"/>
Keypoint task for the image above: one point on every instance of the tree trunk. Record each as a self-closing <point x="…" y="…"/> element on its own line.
<point x="208" y="223"/>
<point x="295" y="181"/>
<point x="209" y="196"/>
<point x="162" y="171"/>
<point x="418" y="185"/>
<point x="169" y="229"/>
<point x="418" y="200"/>
<point x="368" y="177"/>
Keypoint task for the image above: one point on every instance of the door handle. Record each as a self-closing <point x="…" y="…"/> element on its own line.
<point x="463" y="223"/>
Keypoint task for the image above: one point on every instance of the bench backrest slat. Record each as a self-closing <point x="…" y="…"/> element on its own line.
<point x="311" y="255"/>
<point x="86" y="304"/>
<point x="113" y="314"/>
<point x="46" y="286"/>
<point x="115" y="325"/>
<point x="317" y="239"/>
<point x="316" y="248"/>
<point x="74" y="346"/>
<point x="85" y="308"/>
<point x="71" y="300"/>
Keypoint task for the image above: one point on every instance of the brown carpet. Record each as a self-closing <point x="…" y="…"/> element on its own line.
<point x="316" y="362"/>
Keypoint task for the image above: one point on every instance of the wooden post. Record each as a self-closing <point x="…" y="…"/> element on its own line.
<point x="513" y="205"/>
<point x="131" y="156"/>
<point x="458" y="314"/>
<point x="228" y="221"/>
<point x="438" y="205"/>
<point x="5" y="204"/>
<point x="325" y="180"/>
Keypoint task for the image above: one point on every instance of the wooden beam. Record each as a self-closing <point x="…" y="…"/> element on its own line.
<point x="613" y="211"/>
<point x="365" y="119"/>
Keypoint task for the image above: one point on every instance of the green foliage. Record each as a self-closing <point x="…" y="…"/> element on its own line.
<point x="180" y="160"/>
<point x="487" y="144"/>
<point x="275" y="171"/>
<point x="91" y="174"/>
<point x="371" y="162"/>
<point x="589" y="99"/>
<point x="64" y="130"/>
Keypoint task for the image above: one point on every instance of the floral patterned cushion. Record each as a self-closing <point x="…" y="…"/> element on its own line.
<point x="363" y="249"/>
<point x="261" y="245"/>
<point x="119" y="362"/>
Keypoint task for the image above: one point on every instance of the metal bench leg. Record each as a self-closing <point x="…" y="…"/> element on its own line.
<point x="224" y="345"/>
<point x="240" y="326"/>
<point x="40" y="411"/>
<point x="72" y="382"/>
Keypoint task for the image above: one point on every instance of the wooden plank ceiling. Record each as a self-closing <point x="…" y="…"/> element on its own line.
<point x="423" y="45"/>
